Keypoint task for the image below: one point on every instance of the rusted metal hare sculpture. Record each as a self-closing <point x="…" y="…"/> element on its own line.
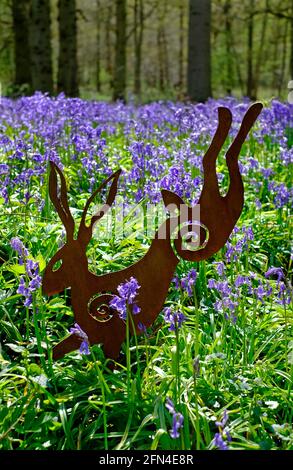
<point x="91" y="294"/>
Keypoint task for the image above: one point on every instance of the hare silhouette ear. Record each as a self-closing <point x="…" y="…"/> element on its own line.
<point x="172" y="201"/>
<point x="60" y="200"/>
<point x="85" y="233"/>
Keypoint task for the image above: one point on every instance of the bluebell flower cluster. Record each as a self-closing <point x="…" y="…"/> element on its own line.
<point x="32" y="281"/>
<point x="160" y="137"/>
<point x="284" y="288"/>
<point x="188" y="282"/>
<point x="230" y="294"/>
<point x="173" y="317"/>
<point x="243" y="237"/>
<point x="126" y="298"/>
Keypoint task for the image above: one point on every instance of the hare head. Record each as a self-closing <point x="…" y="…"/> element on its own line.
<point x="70" y="263"/>
<point x="203" y="232"/>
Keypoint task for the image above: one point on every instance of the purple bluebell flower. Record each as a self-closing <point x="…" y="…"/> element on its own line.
<point x="142" y="327"/>
<point x="242" y="281"/>
<point x="220" y="267"/>
<point x="176" y="282"/>
<point x="219" y="442"/>
<point x="126" y="298"/>
<point x="221" y="438"/>
<point x="27" y="286"/>
<point x="284" y="294"/>
<point x="18" y="246"/>
<point x="170" y="406"/>
<point x="275" y="272"/>
<point x="174" y="318"/>
<point x="258" y="204"/>
<point x="84" y="346"/>
<point x="222" y="423"/>
<point x="212" y="284"/>
<point x="267" y="172"/>
<point x="262" y="291"/>
<point x="22" y="288"/>
<point x="188" y="282"/>
<point x="177" y="424"/>
<point x="177" y="419"/>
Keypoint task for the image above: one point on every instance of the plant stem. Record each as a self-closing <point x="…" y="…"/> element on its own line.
<point x="128" y="357"/>
<point x="102" y="386"/>
<point x="177" y="387"/>
<point x="137" y="355"/>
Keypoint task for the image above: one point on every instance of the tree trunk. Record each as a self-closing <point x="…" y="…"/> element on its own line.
<point x="166" y="58"/>
<point x="283" y="60"/>
<point x="120" y="57"/>
<point x="199" y="50"/>
<point x="160" y="60"/>
<point x="228" y="41"/>
<point x="275" y="54"/>
<point x="41" y="50"/>
<point x="262" y="42"/>
<point x="99" y="22"/>
<point x="181" y="46"/>
<point x="249" y="84"/>
<point x="67" y="61"/>
<point x="138" y="40"/>
<point x="22" y="61"/>
<point x="108" y="45"/>
<point x="291" y="58"/>
<point x="241" y="80"/>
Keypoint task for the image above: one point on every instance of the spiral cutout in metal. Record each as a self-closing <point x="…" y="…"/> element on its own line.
<point x="99" y="308"/>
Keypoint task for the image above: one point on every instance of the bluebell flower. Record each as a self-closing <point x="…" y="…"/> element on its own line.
<point x="18" y="246"/>
<point x="84" y="346"/>
<point x="126" y="298"/>
<point x="220" y="267"/>
<point x="219" y="442"/>
<point x="177" y="419"/>
<point x="284" y="294"/>
<point x="212" y="284"/>
<point x="275" y="272"/>
<point x="170" y="406"/>
<point x="27" y="286"/>
<point x="222" y="423"/>
<point x="177" y="424"/>
<point x="174" y="318"/>
<point x="188" y="282"/>
<point x="241" y="281"/>
<point x="221" y="438"/>
<point x="142" y="327"/>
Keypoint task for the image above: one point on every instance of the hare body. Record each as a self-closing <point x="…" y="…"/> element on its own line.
<point x="91" y="294"/>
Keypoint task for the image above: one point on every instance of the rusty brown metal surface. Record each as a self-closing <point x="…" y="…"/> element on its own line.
<point x="91" y="294"/>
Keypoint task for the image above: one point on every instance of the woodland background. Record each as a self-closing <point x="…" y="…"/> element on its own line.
<point x="145" y="50"/>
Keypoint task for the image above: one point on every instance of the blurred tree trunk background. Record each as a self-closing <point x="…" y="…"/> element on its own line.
<point x="40" y="45"/>
<point x="199" y="50"/>
<point x="145" y="50"/>
<point x="67" y="61"/>
<point x="22" y="61"/>
<point x="119" y="86"/>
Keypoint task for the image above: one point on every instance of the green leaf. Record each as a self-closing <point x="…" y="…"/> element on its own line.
<point x="16" y="347"/>
<point x="16" y="268"/>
